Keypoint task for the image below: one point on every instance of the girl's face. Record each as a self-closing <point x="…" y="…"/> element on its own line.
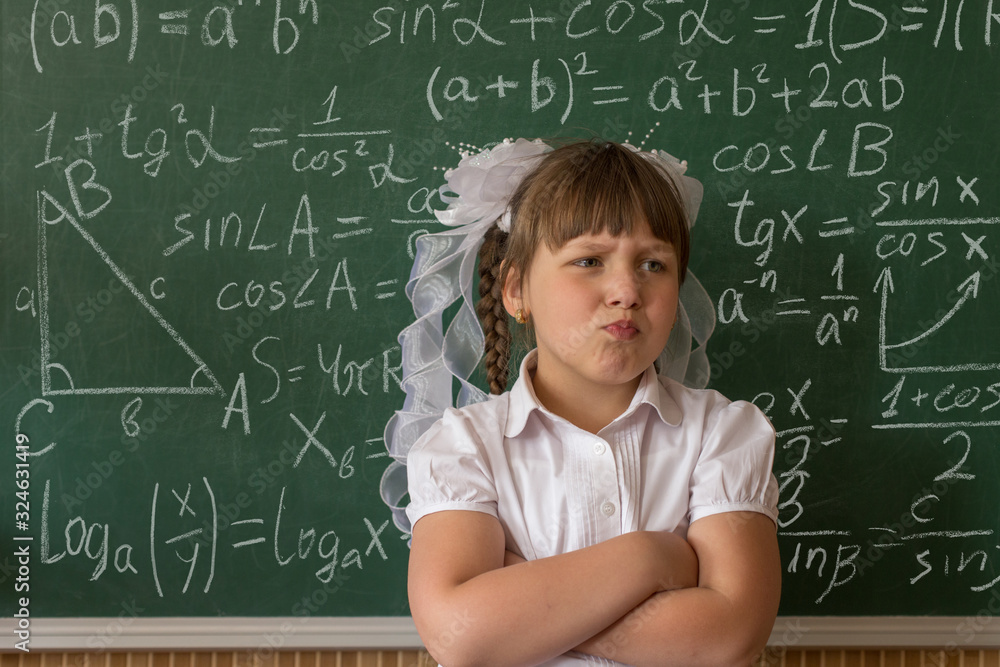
<point x="601" y="306"/>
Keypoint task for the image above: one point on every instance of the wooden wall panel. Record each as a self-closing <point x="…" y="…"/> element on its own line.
<point x="771" y="658"/>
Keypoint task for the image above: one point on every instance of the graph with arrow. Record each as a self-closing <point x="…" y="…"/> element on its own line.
<point x="967" y="291"/>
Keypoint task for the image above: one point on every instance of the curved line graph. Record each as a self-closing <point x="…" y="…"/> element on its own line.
<point x="969" y="289"/>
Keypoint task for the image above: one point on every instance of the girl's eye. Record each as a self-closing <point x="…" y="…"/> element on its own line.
<point x="653" y="266"/>
<point x="588" y="262"/>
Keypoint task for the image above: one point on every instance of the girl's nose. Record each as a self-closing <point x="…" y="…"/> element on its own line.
<point x="623" y="290"/>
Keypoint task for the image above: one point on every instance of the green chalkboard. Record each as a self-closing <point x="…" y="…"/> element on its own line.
<point x="209" y="210"/>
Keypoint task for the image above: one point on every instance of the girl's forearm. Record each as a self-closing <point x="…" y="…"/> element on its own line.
<point x="694" y="626"/>
<point x="533" y="611"/>
<point x="726" y="620"/>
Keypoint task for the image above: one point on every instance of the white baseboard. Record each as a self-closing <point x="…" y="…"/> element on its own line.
<point x="942" y="632"/>
<point x="249" y="634"/>
<point x="266" y="635"/>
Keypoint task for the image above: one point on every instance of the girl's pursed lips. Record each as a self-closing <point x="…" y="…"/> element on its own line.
<point x="622" y="329"/>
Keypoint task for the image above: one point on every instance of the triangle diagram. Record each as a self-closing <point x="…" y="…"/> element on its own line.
<point x="101" y="334"/>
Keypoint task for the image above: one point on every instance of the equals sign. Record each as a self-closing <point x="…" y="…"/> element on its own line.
<point x="913" y="26"/>
<point x="354" y="232"/>
<point x="174" y="29"/>
<point x="295" y="370"/>
<point x="269" y="140"/>
<point x="611" y="90"/>
<point x="794" y="311"/>
<point x="385" y="283"/>
<point x="382" y="453"/>
<point x="765" y="31"/>
<point x="247" y="543"/>
<point x="836" y="232"/>
<point x="827" y="443"/>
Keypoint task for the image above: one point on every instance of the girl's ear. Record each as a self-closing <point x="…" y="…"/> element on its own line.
<point x="512" y="293"/>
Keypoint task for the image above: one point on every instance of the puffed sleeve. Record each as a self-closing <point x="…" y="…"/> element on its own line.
<point x="448" y="469"/>
<point x="733" y="473"/>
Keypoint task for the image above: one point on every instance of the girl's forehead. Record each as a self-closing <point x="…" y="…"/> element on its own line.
<point x="641" y="233"/>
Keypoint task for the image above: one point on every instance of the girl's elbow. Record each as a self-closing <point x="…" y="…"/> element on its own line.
<point x="738" y="638"/>
<point x="724" y="653"/>
<point x="741" y="647"/>
<point x="744" y="655"/>
<point x="450" y="641"/>
<point x="452" y="658"/>
<point x="459" y="656"/>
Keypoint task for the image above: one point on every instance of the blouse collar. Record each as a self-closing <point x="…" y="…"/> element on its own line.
<point x="523" y="402"/>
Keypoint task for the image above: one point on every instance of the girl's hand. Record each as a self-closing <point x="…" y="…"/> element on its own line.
<point x="511" y="558"/>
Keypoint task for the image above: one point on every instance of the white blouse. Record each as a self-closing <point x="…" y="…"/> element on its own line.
<point x="674" y="456"/>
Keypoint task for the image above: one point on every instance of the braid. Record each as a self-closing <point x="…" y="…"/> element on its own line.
<point x="491" y="311"/>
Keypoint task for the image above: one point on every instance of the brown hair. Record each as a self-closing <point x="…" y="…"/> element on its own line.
<point x="578" y="188"/>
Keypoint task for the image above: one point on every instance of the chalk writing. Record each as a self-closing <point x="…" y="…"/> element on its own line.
<point x="210" y="216"/>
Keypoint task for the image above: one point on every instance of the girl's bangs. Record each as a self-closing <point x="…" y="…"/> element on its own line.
<point x="615" y="192"/>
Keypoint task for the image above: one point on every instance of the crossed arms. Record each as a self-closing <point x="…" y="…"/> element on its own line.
<point x="645" y="598"/>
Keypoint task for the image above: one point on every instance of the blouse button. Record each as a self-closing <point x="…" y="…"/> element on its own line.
<point x="599" y="448"/>
<point x="608" y="509"/>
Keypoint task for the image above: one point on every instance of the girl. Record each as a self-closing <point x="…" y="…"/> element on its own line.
<point x="598" y="512"/>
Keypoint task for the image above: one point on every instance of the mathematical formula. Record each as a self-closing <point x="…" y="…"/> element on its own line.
<point x="213" y="207"/>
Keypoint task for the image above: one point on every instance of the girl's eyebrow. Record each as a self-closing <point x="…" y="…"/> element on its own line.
<point x="586" y="246"/>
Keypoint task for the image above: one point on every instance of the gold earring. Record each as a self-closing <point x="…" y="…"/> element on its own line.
<point x="519" y="317"/>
